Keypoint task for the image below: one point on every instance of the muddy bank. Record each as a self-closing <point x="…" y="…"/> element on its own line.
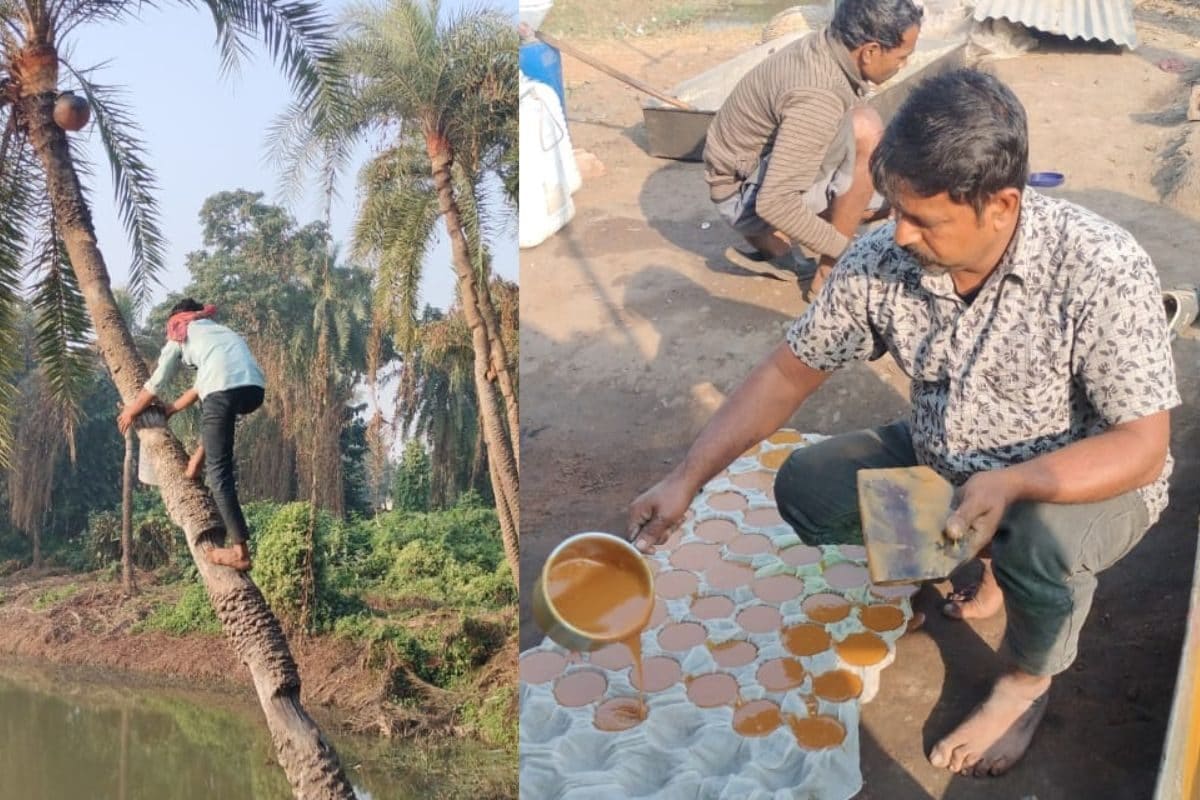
<point x="83" y="620"/>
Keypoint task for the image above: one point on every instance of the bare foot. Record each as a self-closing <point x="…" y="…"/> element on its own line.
<point x="236" y="557"/>
<point x="979" y="601"/>
<point x="998" y="732"/>
<point x="195" y="464"/>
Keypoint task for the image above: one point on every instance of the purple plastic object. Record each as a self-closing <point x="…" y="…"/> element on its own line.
<point x="1046" y="180"/>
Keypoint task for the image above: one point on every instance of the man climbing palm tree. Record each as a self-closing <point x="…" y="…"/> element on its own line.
<point x="229" y="383"/>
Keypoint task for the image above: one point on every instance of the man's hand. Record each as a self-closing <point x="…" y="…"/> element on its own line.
<point x="657" y="511"/>
<point x="982" y="501"/>
<point x="125" y="421"/>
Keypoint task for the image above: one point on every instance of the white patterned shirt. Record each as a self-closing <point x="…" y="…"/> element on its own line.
<point x="1066" y="338"/>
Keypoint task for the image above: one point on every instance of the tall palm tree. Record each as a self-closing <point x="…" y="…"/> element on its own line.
<point x="443" y="89"/>
<point x="48" y="219"/>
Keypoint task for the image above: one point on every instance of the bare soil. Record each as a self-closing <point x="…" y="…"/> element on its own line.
<point x="634" y="326"/>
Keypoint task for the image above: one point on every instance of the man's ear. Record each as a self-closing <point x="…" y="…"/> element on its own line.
<point x="1002" y="207"/>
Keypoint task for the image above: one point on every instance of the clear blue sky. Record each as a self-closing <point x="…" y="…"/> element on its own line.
<point x="206" y="133"/>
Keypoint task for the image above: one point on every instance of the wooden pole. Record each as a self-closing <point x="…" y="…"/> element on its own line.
<point x="127" y="582"/>
<point x="612" y="71"/>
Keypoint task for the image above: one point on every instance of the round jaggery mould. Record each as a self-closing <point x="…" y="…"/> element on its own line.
<point x="662" y="672"/>
<point x="679" y="636"/>
<point x="758" y="480"/>
<point x="773" y="459"/>
<point x="780" y="674"/>
<point x="580" y="688"/>
<point x="733" y="653"/>
<point x="805" y="639"/>
<point x="837" y="686"/>
<point x="620" y="714"/>
<point x="659" y="615"/>
<point x="727" y="575"/>
<point x="894" y="592"/>
<point x="760" y="619"/>
<point x="712" y="690"/>
<point x="750" y="544"/>
<point x="712" y="607"/>
<point x="826" y="607"/>
<point x="676" y="583"/>
<point x="778" y="589"/>
<point x="613" y="657"/>
<point x="757" y="718"/>
<point x="716" y="530"/>
<point x="542" y="666"/>
<point x="862" y="649"/>
<point x="695" y="556"/>
<point x="764" y="518"/>
<point x="853" y="552"/>
<point x="881" y="618"/>
<point x="786" y="436"/>
<point x="728" y="501"/>
<point x="673" y="540"/>
<point x="800" y="555"/>
<point x="844" y="575"/>
<point x="817" y="733"/>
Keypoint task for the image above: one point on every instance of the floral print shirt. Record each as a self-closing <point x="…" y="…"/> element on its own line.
<point x="1066" y="338"/>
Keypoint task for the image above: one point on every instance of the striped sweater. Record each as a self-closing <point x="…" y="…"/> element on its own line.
<point x="790" y="106"/>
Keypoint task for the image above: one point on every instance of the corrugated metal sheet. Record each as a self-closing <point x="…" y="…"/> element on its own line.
<point x="1102" y="20"/>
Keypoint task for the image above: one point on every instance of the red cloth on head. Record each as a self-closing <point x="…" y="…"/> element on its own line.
<point x="177" y="325"/>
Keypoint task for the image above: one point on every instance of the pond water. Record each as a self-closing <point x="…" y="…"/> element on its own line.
<point x="61" y="739"/>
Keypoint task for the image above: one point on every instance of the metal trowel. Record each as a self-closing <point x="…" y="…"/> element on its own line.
<point x="904" y="512"/>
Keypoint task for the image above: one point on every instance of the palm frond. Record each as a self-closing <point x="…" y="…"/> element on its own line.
<point x="134" y="185"/>
<point x="394" y="228"/>
<point x="18" y="188"/>
<point x="62" y="328"/>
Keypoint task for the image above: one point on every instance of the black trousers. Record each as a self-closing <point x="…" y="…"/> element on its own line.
<point x="218" y="413"/>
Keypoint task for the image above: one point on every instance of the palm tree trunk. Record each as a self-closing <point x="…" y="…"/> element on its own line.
<point x="479" y="462"/>
<point x="127" y="583"/>
<point x="311" y="764"/>
<point x="501" y="453"/>
<point x="499" y="356"/>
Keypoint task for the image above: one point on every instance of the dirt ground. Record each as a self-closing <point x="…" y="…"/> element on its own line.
<point x="634" y="326"/>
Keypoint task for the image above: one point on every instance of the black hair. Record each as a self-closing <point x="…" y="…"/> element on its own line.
<point x="186" y="304"/>
<point x="858" y="22"/>
<point x="962" y="132"/>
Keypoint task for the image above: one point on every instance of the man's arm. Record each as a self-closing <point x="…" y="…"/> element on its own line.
<point x="184" y="400"/>
<point x="168" y="363"/>
<point x="1125" y="457"/>
<point x="764" y="401"/>
<point x="809" y="127"/>
<point x="128" y="414"/>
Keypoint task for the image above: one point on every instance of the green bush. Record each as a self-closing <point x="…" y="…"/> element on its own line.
<point x="156" y="540"/>
<point x="279" y="566"/>
<point x="493" y="717"/>
<point x="441" y="653"/>
<point x="192" y="613"/>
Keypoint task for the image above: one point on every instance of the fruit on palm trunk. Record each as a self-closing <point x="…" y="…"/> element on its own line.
<point x="71" y="112"/>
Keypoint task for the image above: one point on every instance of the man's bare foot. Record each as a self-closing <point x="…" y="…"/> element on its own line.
<point x="236" y="557"/>
<point x="998" y="732"/>
<point x="979" y="601"/>
<point x="195" y="464"/>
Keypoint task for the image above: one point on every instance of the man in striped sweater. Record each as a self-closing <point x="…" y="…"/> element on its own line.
<point x="786" y="155"/>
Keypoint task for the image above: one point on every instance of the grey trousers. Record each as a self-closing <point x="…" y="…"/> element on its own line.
<point x="1045" y="555"/>
<point x="835" y="177"/>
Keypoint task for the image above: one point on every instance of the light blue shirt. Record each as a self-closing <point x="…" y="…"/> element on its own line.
<point x="221" y="359"/>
